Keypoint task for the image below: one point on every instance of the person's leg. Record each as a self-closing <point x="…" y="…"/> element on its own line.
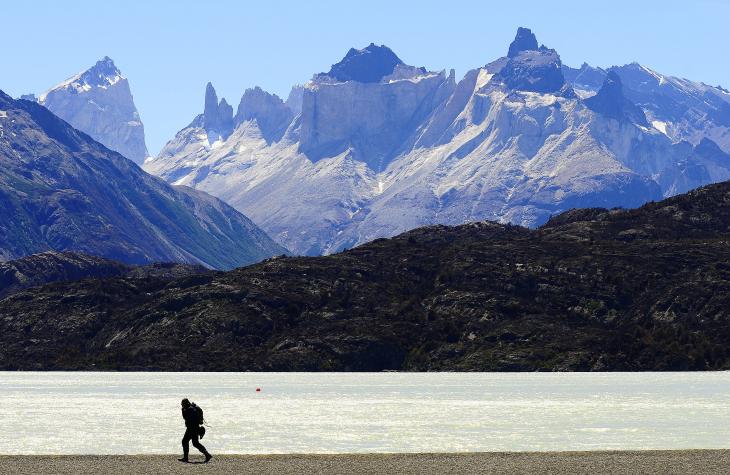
<point x="200" y="447"/>
<point x="186" y="443"/>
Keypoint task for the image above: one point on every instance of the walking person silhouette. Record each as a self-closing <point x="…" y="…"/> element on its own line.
<point x="193" y="416"/>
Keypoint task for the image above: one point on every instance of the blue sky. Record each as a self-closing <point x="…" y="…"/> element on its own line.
<point x="170" y="50"/>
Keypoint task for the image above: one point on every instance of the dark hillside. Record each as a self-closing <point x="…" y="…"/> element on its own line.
<point x="645" y="289"/>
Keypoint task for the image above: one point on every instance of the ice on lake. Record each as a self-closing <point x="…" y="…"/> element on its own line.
<point x="131" y="413"/>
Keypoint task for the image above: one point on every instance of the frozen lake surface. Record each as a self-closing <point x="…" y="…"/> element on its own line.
<point x="130" y="413"/>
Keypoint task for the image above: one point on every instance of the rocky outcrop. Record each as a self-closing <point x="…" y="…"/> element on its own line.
<point x="61" y="190"/>
<point x="704" y="163"/>
<point x="592" y="290"/>
<point x="529" y="68"/>
<point x="368" y="65"/>
<point x="270" y="113"/>
<point x="295" y="98"/>
<point x="525" y="40"/>
<point x="99" y="102"/>
<point x="52" y="266"/>
<point x="586" y="78"/>
<point x="611" y="102"/>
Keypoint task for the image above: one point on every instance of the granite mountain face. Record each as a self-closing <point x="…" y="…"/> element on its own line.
<point x="99" y="102"/>
<point x="61" y="190"/>
<point x="375" y="147"/>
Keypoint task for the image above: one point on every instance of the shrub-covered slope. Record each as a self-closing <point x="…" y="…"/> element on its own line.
<point x="645" y="289"/>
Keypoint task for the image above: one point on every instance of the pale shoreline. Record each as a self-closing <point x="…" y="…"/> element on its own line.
<point x="645" y="462"/>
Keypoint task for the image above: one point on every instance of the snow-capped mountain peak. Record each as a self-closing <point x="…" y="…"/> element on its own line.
<point x="103" y="74"/>
<point x="98" y="101"/>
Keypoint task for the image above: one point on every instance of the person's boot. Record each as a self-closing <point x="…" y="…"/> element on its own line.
<point x="208" y="457"/>
<point x="184" y="459"/>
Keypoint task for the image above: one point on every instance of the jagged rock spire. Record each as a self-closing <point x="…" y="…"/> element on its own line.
<point x="217" y="116"/>
<point x="525" y="40"/>
<point x="211" y="103"/>
<point x="531" y="67"/>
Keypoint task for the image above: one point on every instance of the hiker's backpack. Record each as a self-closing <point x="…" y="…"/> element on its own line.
<point x="199" y="414"/>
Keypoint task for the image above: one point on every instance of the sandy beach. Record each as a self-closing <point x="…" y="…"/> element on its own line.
<point x="645" y="462"/>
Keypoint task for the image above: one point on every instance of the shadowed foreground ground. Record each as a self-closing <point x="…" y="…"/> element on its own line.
<point x="645" y="462"/>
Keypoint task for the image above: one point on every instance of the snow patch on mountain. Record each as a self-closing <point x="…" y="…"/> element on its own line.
<point x="660" y="126"/>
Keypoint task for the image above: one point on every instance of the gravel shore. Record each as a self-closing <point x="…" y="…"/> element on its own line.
<point x="644" y="462"/>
